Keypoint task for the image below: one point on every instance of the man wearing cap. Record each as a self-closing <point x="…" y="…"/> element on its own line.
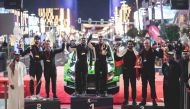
<point x="35" y="68"/>
<point x="171" y="86"/>
<point x="49" y="67"/>
<point x="101" y="69"/>
<point x="81" y="66"/>
<point x="185" y="65"/>
<point x="16" y="71"/>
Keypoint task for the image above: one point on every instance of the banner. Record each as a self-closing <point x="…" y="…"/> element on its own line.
<point x="154" y="32"/>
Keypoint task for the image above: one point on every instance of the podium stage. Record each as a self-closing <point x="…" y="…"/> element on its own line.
<point x="147" y="106"/>
<point x="42" y="104"/>
<point x="91" y="101"/>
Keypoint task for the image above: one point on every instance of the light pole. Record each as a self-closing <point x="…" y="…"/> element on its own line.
<point x="188" y="13"/>
<point x="161" y="9"/>
<point x="137" y="5"/>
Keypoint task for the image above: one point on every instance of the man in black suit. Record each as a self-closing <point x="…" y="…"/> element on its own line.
<point x="81" y="66"/>
<point x="49" y="67"/>
<point x="35" y="68"/>
<point x="101" y="68"/>
<point x="129" y="72"/>
<point x="148" y="56"/>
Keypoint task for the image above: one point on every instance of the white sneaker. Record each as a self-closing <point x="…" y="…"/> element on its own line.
<point x="39" y="97"/>
<point x="33" y="97"/>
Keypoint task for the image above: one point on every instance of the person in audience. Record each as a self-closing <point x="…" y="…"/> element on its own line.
<point x="171" y="86"/>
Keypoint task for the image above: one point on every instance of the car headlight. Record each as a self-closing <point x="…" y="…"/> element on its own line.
<point x="110" y="68"/>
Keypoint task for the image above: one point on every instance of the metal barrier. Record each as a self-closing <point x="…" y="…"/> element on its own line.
<point x="187" y="99"/>
<point x="5" y="83"/>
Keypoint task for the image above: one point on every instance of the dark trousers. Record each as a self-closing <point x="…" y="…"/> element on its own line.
<point x="151" y="80"/>
<point x="101" y="70"/>
<point x="35" y="71"/>
<point x="132" y="77"/>
<point x="171" y="97"/>
<point x="166" y="96"/>
<point x="182" y="93"/>
<point x="81" y="71"/>
<point x="50" y="74"/>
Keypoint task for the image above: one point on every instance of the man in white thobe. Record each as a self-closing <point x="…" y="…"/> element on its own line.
<point x="16" y="71"/>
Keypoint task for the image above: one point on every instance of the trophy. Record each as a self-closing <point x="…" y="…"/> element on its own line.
<point x="104" y="49"/>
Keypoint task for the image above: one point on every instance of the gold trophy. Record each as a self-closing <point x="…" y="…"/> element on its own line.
<point x="104" y="49"/>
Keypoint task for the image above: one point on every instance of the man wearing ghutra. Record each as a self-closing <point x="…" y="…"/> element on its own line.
<point x="16" y="71"/>
<point x="185" y="69"/>
<point x="35" y="68"/>
<point x="171" y="86"/>
<point x="49" y="67"/>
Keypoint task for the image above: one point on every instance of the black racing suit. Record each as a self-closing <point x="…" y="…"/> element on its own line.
<point x="81" y="68"/>
<point x="50" y="68"/>
<point x="148" y="71"/>
<point x="35" y="68"/>
<point x="101" y="68"/>
<point x="129" y="73"/>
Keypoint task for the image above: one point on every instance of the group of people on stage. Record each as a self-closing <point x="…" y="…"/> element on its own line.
<point x="100" y="52"/>
<point x="172" y="70"/>
<point x="175" y="71"/>
<point x="17" y="69"/>
<point x="131" y="71"/>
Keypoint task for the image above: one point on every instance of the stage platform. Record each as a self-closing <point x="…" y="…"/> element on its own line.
<point x="91" y="101"/>
<point x="66" y="98"/>
<point x="43" y="103"/>
<point x="147" y="106"/>
<point x="68" y="106"/>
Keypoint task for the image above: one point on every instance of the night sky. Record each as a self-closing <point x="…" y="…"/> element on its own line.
<point x="95" y="9"/>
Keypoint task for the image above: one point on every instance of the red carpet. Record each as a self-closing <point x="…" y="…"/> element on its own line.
<point x="118" y="98"/>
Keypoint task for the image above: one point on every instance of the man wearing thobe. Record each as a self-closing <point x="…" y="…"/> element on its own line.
<point x="16" y="71"/>
<point x="171" y="86"/>
<point x="184" y="64"/>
